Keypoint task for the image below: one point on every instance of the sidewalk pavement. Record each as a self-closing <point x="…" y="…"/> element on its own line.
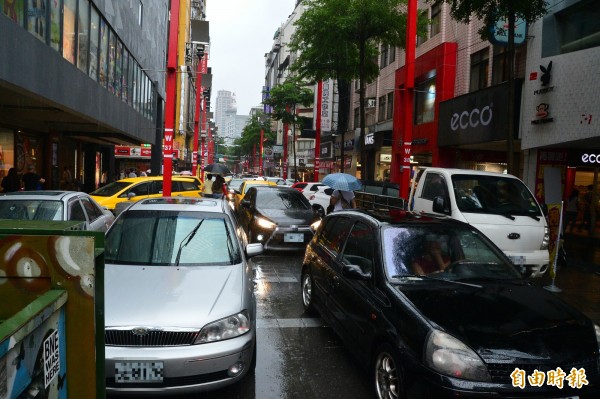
<point x="579" y="280"/>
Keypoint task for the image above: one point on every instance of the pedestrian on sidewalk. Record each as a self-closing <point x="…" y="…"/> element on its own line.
<point x="11" y="181"/>
<point x="572" y="211"/>
<point x="31" y="180"/>
<point x="587" y="208"/>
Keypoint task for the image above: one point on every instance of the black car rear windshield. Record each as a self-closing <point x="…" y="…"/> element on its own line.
<point x="281" y="199"/>
<point x="172" y="238"/>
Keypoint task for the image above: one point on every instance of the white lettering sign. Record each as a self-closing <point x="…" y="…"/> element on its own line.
<point x="51" y="358"/>
<point x="472" y="118"/>
<point x="590" y="158"/>
<point x="369" y="139"/>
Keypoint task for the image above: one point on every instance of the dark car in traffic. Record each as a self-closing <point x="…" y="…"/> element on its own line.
<point x="277" y="217"/>
<point x="432" y="308"/>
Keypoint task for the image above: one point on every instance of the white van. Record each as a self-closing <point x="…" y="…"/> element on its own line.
<point x="499" y="205"/>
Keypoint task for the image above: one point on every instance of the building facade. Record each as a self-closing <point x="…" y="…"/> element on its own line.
<point x="98" y="82"/>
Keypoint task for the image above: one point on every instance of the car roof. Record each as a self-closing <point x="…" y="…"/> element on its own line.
<point x="155" y="178"/>
<point x="49" y="195"/>
<point x="401" y="217"/>
<point x="180" y="204"/>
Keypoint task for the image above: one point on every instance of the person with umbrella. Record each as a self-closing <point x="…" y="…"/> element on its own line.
<point x="343" y="194"/>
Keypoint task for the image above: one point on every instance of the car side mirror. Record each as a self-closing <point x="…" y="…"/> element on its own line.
<point x="246" y="204"/>
<point x="254" y="249"/>
<point x="130" y="195"/>
<point x="318" y="210"/>
<point x="355" y="272"/>
<point x="439" y="205"/>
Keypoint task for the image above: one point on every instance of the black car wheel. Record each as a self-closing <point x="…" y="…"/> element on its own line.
<point x="307" y="292"/>
<point x="389" y="383"/>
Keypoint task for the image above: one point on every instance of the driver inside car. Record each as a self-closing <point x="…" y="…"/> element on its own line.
<point x="430" y="259"/>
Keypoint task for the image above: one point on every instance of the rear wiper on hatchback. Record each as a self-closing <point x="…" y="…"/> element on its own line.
<point x="186" y="240"/>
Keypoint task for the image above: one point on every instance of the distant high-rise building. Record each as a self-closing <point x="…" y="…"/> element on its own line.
<point x="226" y="107"/>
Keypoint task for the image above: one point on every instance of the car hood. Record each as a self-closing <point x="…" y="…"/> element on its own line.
<point x="169" y="296"/>
<point x="289" y="217"/>
<point x="505" y="322"/>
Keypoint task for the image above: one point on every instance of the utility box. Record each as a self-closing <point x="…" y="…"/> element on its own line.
<point x="52" y="312"/>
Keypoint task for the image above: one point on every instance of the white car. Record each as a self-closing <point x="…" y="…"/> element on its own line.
<point x="321" y="196"/>
<point x="179" y="299"/>
<point x="56" y="205"/>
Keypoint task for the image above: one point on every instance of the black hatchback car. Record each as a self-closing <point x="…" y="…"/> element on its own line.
<point x="278" y="217"/>
<point x="434" y="309"/>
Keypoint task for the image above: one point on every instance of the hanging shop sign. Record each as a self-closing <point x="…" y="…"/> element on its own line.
<point x="133" y="152"/>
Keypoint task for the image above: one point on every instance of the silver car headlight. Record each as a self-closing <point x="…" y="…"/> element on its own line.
<point x="265" y="223"/>
<point x="226" y="328"/>
<point x="447" y="355"/>
<point x="597" y="329"/>
<point x="546" y="239"/>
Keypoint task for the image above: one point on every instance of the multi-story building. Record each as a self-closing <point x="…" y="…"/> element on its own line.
<point x="78" y="78"/>
<point x="560" y="114"/>
<point x="225" y="107"/>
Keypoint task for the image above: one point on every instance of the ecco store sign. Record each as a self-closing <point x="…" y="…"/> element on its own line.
<point x="472" y="118"/>
<point x="590" y="158"/>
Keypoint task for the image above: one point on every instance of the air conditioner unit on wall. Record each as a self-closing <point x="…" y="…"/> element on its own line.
<point x="371" y="102"/>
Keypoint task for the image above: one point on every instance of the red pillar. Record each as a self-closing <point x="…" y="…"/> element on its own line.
<point x="202" y="68"/>
<point x="409" y="85"/>
<point x="170" y="99"/>
<point x="318" y="128"/>
<point x="262" y="139"/>
<point x="285" y="151"/>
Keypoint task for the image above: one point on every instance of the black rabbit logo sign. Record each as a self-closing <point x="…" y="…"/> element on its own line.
<point x="546" y="74"/>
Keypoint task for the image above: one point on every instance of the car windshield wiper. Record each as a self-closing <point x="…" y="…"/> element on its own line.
<point x="186" y="241"/>
<point x="430" y="278"/>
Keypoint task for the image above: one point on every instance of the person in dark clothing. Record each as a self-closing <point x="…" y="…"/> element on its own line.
<point x="11" y="181"/>
<point x="31" y="180"/>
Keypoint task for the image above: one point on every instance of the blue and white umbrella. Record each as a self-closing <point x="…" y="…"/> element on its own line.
<point x="342" y="181"/>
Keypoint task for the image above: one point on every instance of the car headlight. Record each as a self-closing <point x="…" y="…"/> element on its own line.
<point x="449" y="356"/>
<point x="265" y="223"/>
<point x="597" y="329"/>
<point x="227" y="328"/>
<point x="315" y="225"/>
<point x="546" y="239"/>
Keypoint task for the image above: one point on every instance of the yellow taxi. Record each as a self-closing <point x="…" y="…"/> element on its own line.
<point x="137" y="188"/>
<point x="246" y="184"/>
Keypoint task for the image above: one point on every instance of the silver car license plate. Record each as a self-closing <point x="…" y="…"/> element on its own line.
<point x="293" y="237"/>
<point x="127" y="372"/>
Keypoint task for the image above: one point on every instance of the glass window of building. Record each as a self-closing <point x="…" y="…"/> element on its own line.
<point x="118" y="68"/>
<point x="130" y="80"/>
<point x="14" y="10"/>
<point x="112" y="53"/>
<point x="479" y="70"/>
<point x="103" y="58"/>
<point x="384" y="56"/>
<point x="94" y="43"/>
<point x="36" y="18"/>
<point x="391" y="54"/>
<point x="381" y="109"/>
<point x="436" y="19"/>
<point x="390" y="106"/>
<point x="425" y="101"/>
<point x="83" y="35"/>
<point x="69" y="13"/>
<point x="500" y="65"/>
<point x="55" y="13"/>
<point x="579" y="26"/>
<point x="125" y="76"/>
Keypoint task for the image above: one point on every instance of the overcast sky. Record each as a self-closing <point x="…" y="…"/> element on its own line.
<point x="241" y="32"/>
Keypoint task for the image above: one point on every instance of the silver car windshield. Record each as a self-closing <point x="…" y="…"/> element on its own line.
<point x="443" y="252"/>
<point x="31" y="210"/>
<point x="171" y="238"/>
